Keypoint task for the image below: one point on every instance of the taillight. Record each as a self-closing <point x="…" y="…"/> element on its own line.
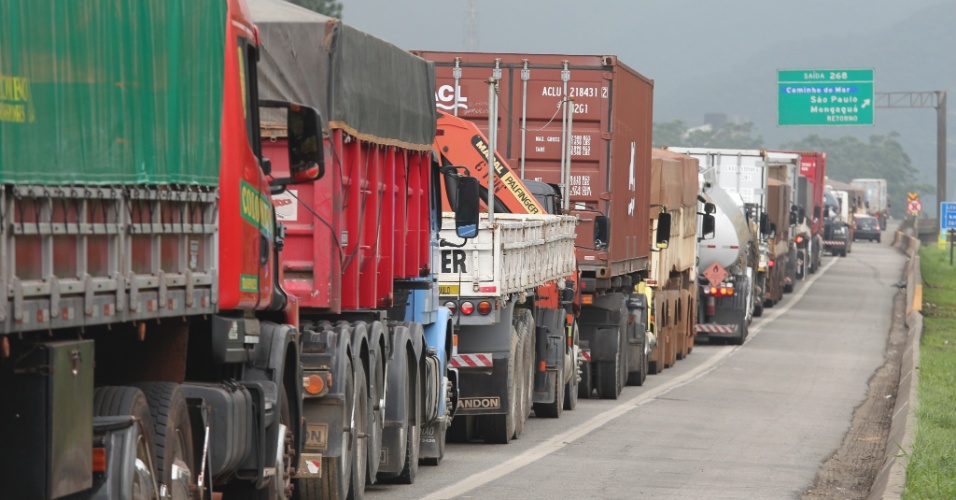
<point x="317" y="383"/>
<point x="719" y="291"/>
<point x="451" y="305"/>
<point x="771" y="263"/>
<point x="484" y="307"/>
<point x="799" y="239"/>
<point x="467" y="308"/>
<point x="99" y="459"/>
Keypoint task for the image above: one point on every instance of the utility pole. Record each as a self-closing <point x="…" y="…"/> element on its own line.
<point x="471" y="27"/>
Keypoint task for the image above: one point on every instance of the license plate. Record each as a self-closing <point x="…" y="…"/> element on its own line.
<point x="448" y="289"/>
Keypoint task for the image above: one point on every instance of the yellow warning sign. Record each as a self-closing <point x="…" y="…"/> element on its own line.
<point x="912" y="196"/>
<point x="716" y="274"/>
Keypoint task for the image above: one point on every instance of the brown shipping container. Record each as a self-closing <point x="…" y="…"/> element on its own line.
<point x="679" y="193"/>
<point x="778" y="203"/>
<point x="610" y="144"/>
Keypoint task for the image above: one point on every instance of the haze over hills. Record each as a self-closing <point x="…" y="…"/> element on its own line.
<point x="918" y="53"/>
<point x="708" y="56"/>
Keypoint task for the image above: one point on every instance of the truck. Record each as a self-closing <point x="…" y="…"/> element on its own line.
<point x="802" y="228"/>
<point x="784" y="212"/>
<point x="843" y="201"/>
<point x="582" y="122"/>
<point x="672" y="274"/>
<point x="876" y="201"/>
<point x="813" y="166"/>
<point x="361" y="252"/>
<point x="147" y="347"/>
<point x="778" y="242"/>
<point x="728" y="262"/>
<point x="744" y="174"/>
<point x="511" y="292"/>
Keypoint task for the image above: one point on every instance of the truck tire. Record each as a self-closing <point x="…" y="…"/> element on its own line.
<point x="498" y="429"/>
<point x="739" y="340"/>
<point x="120" y="401"/>
<point x="609" y="374"/>
<point x="172" y="432"/>
<point x="524" y="324"/>
<point x="571" y="392"/>
<point x="638" y="377"/>
<point x="414" y="436"/>
<point x="338" y="472"/>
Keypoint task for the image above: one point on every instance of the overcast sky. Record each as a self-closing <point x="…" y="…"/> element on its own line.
<point x="695" y="50"/>
<point x="666" y="40"/>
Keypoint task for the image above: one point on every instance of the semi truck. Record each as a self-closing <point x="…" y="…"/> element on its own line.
<point x="743" y="174"/>
<point x="361" y="252"/>
<point x="813" y="166"/>
<point x="672" y="274"/>
<point x="727" y="263"/>
<point x="778" y="242"/>
<point x="843" y="201"/>
<point x="582" y="122"/>
<point x="148" y="348"/>
<point x="802" y="228"/>
<point x="876" y="201"/>
<point x="511" y="292"/>
<point x="785" y="214"/>
<point x="737" y="293"/>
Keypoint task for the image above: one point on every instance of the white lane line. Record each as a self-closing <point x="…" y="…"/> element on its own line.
<point x="565" y="438"/>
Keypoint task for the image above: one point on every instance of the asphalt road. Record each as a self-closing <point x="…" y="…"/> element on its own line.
<point x="754" y="421"/>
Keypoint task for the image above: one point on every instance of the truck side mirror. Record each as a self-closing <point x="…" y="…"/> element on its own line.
<point x="793" y="216"/>
<point x="708" y="225"/>
<point x="764" y="223"/>
<point x="602" y="231"/>
<point x="304" y="136"/>
<point x="466" y="210"/>
<point x="801" y="215"/>
<point x="710" y="208"/>
<point x="663" y="235"/>
<point x="816" y="212"/>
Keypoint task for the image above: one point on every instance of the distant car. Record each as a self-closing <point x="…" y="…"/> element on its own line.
<point x="866" y="228"/>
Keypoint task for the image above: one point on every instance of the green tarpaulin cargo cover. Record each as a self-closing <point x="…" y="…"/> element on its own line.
<point x="361" y="84"/>
<point x="111" y="91"/>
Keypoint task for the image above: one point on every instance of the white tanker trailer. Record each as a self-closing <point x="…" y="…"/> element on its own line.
<point x="726" y="268"/>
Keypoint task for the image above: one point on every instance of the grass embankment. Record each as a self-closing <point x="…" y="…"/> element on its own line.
<point x="932" y="466"/>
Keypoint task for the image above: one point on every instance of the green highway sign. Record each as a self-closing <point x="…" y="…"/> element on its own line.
<point x="825" y="97"/>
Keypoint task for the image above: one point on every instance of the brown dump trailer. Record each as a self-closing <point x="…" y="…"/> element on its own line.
<point x="778" y="211"/>
<point x="674" y="187"/>
<point x="582" y="122"/>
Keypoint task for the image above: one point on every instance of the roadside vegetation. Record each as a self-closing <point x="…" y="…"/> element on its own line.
<point x="932" y="466"/>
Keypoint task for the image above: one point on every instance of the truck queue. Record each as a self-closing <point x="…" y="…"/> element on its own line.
<point x="305" y="276"/>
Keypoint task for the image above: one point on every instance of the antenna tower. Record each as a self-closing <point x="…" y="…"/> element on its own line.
<point x="471" y="27"/>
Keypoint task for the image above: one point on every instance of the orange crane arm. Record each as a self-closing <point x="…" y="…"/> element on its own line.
<point x="459" y="142"/>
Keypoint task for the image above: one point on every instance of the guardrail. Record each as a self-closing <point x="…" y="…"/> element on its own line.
<point x="891" y="479"/>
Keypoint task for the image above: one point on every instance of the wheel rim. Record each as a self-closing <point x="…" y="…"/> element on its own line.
<point x="285" y="453"/>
